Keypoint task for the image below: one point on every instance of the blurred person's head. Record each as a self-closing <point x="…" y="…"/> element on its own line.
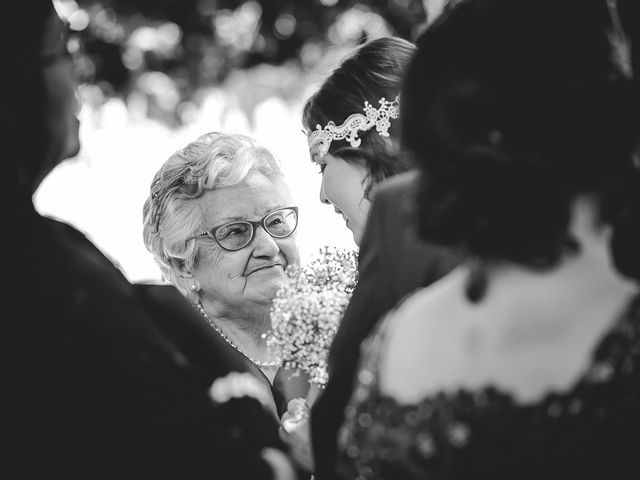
<point x="352" y="126"/>
<point x="198" y="223"/>
<point x="513" y="109"/>
<point x="43" y="94"/>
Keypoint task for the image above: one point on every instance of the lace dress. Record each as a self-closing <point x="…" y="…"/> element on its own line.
<point x="591" y="431"/>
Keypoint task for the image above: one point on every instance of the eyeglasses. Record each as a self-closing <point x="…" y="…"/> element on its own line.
<point x="234" y="236"/>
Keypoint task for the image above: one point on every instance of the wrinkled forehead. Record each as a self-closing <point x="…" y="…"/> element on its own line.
<point x="250" y="199"/>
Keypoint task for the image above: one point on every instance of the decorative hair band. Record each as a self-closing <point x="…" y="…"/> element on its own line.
<point x="356" y="122"/>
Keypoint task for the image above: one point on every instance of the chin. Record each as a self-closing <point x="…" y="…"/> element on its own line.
<point x="71" y="151"/>
<point x="268" y="286"/>
<point x="72" y="144"/>
<point x="265" y="296"/>
<point x="275" y="283"/>
<point x="357" y="236"/>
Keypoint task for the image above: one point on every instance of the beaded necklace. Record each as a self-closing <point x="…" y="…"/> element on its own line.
<point x="274" y="363"/>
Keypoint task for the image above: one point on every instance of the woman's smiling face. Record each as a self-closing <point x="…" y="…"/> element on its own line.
<point x="343" y="186"/>
<point x="253" y="274"/>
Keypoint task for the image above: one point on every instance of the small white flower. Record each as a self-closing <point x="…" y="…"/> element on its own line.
<point x="308" y="309"/>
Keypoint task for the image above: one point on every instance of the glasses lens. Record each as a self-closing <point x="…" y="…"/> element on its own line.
<point x="281" y="223"/>
<point x="234" y="236"/>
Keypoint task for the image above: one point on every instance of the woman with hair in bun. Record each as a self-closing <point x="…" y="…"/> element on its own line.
<point x="353" y="129"/>
<point x="524" y="361"/>
<point x="352" y="122"/>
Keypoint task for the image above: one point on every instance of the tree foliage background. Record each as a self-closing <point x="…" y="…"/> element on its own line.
<point x="156" y="74"/>
<point x="162" y="53"/>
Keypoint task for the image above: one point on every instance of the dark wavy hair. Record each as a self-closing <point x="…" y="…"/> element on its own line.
<point x="513" y="108"/>
<point x="372" y="71"/>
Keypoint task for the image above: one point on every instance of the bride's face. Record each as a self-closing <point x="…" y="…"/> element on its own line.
<point x="343" y="186"/>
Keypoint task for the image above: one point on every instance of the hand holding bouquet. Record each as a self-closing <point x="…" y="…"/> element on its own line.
<point x="304" y="319"/>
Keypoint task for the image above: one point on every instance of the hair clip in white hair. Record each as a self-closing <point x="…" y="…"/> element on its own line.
<point x="357" y="122"/>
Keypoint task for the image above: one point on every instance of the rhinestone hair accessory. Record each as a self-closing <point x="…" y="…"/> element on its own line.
<point x="356" y="122"/>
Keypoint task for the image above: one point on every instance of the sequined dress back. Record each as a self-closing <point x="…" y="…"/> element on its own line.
<point x="591" y="431"/>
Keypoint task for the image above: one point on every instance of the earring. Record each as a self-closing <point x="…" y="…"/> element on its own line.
<point x="194" y="288"/>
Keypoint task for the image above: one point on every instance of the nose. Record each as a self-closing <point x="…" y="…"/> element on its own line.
<point x="323" y="197"/>
<point x="264" y="245"/>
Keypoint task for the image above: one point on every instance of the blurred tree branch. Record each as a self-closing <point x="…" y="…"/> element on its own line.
<point x="194" y="44"/>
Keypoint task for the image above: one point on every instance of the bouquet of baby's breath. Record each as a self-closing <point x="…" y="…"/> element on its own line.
<point x="307" y="310"/>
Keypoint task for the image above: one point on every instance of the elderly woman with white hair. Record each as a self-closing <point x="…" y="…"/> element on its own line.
<point x="220" y="222"/>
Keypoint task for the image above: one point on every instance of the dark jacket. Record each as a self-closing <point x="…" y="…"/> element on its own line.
<point x="392" y="263"/>
<point x="110" y="379"/>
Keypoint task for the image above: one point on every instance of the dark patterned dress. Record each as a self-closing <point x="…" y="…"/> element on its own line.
<point x="589" y="432"/>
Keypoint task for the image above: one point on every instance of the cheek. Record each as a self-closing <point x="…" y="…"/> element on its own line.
<point x="349" y="197"/>
<point x="214" y="259"/>
<point x="334" y="187"/>
<point x="289" y="249"/>
<point x="220" y="267"/>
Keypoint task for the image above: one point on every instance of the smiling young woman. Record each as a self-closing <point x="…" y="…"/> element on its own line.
<point x="352" y="127"/>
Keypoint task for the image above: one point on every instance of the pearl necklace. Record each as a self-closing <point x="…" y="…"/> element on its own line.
<point x="274" y="363"/>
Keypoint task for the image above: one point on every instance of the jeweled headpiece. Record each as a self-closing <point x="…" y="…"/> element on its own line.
<point x="356" y="122"/>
